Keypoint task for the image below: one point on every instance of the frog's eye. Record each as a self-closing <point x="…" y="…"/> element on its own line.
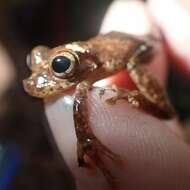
<point x="64" y="65"/>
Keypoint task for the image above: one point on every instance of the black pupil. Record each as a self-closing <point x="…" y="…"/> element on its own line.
<point x="60" y="64"/>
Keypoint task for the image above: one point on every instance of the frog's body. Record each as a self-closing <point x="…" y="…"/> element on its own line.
<point x="78" y="65"/>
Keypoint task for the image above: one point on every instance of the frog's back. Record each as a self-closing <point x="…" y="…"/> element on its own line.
<point x="115" y="46"/>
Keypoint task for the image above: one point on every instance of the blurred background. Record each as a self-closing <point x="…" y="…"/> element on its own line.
<point x="23" y="126"/>
<point x="23" y="25"/>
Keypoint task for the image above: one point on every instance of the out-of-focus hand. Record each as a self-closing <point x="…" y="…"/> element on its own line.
<point x="7" y="72"/>
<point x="156" y="154"/>
<point x="7" y="75"/>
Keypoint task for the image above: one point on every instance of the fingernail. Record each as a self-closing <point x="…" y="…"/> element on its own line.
<point x="173" y="17"/>
<point x="128" y="16"/>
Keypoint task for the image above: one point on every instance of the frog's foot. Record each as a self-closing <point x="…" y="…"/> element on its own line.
<point x="112" y="88"/>
<point x="94" y="145"/>
<point x="88" y="146"/>
<point x="94" y="150"/>
<point x="132" y="97"/>
<point x="91" y="146"/>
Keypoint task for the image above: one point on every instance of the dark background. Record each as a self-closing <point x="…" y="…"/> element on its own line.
<point x="27" y="23"/>
<point x="23" y="25"/>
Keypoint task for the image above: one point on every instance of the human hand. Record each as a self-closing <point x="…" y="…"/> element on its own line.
<point x="155" y="151"/>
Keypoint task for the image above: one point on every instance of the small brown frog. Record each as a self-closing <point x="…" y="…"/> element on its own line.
<point x="76" y="66"/>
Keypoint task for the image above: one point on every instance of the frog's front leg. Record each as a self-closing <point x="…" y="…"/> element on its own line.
<point x="134" y="97"/>
<point x="88" y="146"/>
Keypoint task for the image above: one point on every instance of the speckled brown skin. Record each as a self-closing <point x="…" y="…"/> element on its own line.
<point x="92" y="60"/>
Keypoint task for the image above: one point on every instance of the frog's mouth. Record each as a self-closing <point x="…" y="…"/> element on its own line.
<point x="34" y="89"/>
<point x="41" y="86"/>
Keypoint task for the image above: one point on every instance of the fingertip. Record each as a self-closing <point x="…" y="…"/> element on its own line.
<point x="144" y="142"/>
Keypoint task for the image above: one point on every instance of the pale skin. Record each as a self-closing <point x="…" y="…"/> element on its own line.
<point x="85" y="63"/>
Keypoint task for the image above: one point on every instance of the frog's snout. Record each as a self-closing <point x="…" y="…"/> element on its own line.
<point x="27" y="87"/>
<point x="36" y="87"/>
<point x="43" y="86"/>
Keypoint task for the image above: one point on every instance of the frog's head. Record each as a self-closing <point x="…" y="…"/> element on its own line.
<point x="54" y="71"/>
